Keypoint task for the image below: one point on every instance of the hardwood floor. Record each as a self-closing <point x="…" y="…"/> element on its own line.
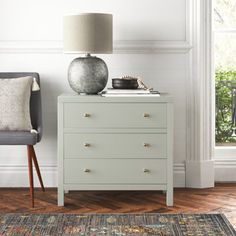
<point x="221" y="199"/>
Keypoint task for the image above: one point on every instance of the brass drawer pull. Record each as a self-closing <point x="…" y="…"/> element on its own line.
<point x="146" y="170"/>
<point x="146" y="115"/>
<point x="146" y="145"/>
<point x="87" y="145"/>
<point x="87" y="115"/>
<point x="86" y="170"/>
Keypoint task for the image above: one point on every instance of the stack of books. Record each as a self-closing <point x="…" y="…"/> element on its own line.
<point x="130" y="93"/>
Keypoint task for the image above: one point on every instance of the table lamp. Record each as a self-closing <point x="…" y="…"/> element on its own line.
<point x="88" y="33"/>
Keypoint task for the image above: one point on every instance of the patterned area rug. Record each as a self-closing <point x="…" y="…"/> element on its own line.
<point x="115" y="224"/>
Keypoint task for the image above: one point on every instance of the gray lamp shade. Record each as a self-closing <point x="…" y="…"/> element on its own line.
<point x="88" y="33"/>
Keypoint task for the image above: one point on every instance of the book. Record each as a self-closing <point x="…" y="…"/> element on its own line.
<point x="129" y="91"/>
<point x="131" y="95"/>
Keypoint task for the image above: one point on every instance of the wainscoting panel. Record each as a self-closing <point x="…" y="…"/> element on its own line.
<point x="151" y="40"/>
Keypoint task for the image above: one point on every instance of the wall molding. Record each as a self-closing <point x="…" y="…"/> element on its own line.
<point x="17" y="175"/>
<point x="200" y="97"/>
<point x="30" y="46"/>
<point x="120" y="46"/>
<point x="179" y="175"/>
<point x="225" y="162"/>
<point x="151" y="46"/>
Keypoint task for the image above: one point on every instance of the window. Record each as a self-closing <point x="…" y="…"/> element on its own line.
<point x="224" y="32"/>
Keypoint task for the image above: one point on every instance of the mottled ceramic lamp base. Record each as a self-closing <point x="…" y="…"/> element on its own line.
<point x="88" y="75"/>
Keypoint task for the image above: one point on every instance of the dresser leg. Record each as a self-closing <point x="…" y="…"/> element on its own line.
<point x="60" y="197"/>
<point x="169" y="197"/>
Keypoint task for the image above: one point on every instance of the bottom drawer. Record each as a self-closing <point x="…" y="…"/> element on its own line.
<point x="115" y="171"/>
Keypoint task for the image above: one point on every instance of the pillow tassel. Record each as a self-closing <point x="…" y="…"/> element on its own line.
<point x="35" y="85"/>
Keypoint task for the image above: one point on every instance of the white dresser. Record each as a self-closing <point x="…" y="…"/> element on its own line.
<point x="110" y="143"/>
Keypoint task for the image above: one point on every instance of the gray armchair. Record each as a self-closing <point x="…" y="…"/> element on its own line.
<point x="24" y="137"/>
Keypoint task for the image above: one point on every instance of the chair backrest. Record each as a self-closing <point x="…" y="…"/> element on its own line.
<point x="35" y="100"/>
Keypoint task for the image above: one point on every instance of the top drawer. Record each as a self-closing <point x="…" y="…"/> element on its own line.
<point x="115" y="115"/>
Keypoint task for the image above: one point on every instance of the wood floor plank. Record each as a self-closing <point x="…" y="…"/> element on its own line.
<point x="221" y="199"/>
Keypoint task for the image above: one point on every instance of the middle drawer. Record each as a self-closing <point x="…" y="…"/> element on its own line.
<point x="136" y="145"/>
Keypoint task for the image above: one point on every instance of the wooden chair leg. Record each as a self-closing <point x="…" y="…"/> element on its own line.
<point x="37" y="167"/>
<point x="31" y="179"/>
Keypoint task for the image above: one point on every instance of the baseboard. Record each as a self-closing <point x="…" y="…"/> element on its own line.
<point x="225" y="170"/>
<point x="17" y="176"/>
<point x="179" y="175"/>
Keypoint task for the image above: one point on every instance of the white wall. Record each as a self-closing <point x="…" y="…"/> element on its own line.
<point x="150" y="40"/>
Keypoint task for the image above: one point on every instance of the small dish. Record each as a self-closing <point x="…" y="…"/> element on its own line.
<point x="124" y="83"/>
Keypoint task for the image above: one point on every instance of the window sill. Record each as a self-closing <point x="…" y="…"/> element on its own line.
<point x="225" y="152"/>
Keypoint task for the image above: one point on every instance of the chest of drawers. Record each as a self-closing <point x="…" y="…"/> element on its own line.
<point x="115" y="143"/>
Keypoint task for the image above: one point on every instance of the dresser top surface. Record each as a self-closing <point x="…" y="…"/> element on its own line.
<point x="73" y="97"/>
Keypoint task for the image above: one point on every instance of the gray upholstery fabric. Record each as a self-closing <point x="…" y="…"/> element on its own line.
<point x="19" y="137"/>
